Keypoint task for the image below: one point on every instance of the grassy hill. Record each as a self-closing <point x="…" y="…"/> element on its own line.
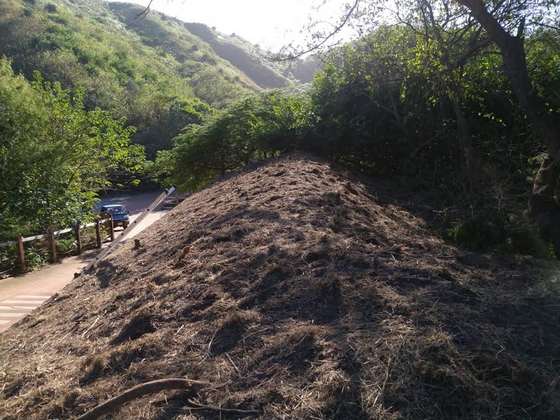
<point x="293" y="290"/>
<point x="171" y="36"/>
<point x="252" y="59"/>
<point x="237" y="53"/>
<point x="83" y="44"/>
<point x="179" y="38"/>
<point x="153" y="71"/>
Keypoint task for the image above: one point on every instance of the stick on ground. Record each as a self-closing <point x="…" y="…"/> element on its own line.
<point x="138" y="391"/>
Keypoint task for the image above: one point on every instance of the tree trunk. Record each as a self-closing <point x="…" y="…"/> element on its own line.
<point x="543" y="205"/>
<point x="465" y="140"/>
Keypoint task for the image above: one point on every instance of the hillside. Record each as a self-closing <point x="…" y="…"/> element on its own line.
<point x="182" y="41"/>
<point x="251" y="57"/>
<point x="193" y="51"/>
<point x="151" y="71"/>
<point x="236" y="52"/>
<point x="170" y="33"/>
<point x="297" y="291"/>
<point x="82" y="43"/>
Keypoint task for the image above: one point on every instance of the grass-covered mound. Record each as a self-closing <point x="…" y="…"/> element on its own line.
<point x="296" y="291"/>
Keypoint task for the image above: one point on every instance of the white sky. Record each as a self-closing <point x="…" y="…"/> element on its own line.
<point x="269" y="23"/>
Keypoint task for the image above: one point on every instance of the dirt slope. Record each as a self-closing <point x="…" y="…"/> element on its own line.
<point x="298" y="292"/>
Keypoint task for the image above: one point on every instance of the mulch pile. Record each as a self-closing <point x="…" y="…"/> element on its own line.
<point x="296" y="291"/>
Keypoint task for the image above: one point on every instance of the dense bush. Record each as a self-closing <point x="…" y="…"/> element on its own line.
<point x="387" y="106"/>
<point x="253" y="128"/>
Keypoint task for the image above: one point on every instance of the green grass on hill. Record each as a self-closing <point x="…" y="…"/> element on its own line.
<point x="84" y="45"/>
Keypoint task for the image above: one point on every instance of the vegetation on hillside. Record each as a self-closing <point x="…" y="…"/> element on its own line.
<point x="253" y="128"/>
<point x="55" y="155"/>
<point x="214" y="80"/>
<point x="238" y="54"/>
<point x="387" y="105"/>
<point x="129" y="73"/>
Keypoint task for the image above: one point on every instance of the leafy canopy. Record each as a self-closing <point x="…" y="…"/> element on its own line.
<point x="54" y="155"/>
<point x="252" y="128"/>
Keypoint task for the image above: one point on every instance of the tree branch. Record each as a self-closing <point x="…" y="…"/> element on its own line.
<point x="331" y="34"/>
<point x="145" y="12"/>
<point x="138" y="391"/>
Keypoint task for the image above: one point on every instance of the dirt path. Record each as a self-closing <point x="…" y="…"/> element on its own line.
<point x="20" y="295"/>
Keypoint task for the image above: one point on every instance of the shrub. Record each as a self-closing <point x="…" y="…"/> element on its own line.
<point x="35" y="257"/>
<point x="50" y="8"/>
<point x="65" y="246"/>
<point x="494" y="232"/>
<point x="253" y="128"/>
<point x="481" y="232"/>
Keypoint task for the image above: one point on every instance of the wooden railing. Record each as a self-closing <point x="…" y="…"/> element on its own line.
<point x="51" y="236"/>
<point x="77" y="230"/>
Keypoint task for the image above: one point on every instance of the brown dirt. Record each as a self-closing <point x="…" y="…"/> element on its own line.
<point x="300" y="292"/>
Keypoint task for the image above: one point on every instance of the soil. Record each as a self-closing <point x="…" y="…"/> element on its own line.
<point x="298" y="291"/>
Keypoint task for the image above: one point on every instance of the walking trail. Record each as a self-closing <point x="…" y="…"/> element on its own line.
<point x="22" y="294"/>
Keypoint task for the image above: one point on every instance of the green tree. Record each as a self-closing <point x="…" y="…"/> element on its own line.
<point x="54" y="155"/>
<point x="253" y="128"/>
<point x="505" y="24"/>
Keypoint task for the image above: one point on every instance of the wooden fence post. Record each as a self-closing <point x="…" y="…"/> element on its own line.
<point x="98" y="233"/>
<point x="111" y="229"/>
<point x="52" y="245"/>
<point x="78" y="237"/>
<point x="21" y="254"/>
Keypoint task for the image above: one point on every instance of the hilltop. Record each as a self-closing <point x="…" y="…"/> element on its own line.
<point x="297" y="291"/>
<point x="183" y="40"/>
<point x="84" y="44"/>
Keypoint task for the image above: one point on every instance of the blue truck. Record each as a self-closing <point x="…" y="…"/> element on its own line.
<point x="118" y="212"/>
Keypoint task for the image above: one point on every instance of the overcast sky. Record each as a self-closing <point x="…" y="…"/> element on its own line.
<point x="269" y="23"/>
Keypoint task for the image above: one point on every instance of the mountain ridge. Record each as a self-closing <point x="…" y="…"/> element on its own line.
<point x="150" y="71"/>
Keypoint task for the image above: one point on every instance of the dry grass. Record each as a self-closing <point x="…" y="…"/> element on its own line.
<point x="301" y="293"/>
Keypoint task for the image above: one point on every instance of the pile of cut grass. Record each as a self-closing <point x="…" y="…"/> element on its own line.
<point x="299" y="292"/>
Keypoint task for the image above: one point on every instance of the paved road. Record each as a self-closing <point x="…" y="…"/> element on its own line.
<point x="20" y="295"/>
<point x="135" y="203"/>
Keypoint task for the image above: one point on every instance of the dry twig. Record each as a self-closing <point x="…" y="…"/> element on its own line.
<point x="138" y="391"/>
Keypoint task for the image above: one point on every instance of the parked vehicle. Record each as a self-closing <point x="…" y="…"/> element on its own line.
<point x="118" y="213"/>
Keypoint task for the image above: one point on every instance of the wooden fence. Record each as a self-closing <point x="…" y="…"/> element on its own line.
<point x="51" y="236"/>
<point x="77" y="233"/>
